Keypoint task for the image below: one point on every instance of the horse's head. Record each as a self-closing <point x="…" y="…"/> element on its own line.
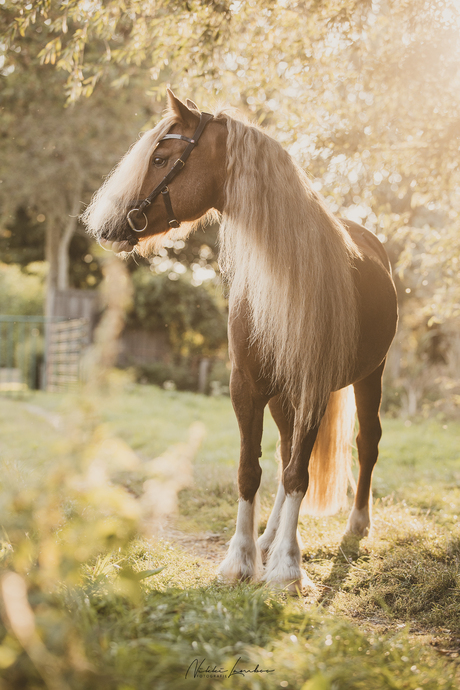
<point x="173" y="176"/>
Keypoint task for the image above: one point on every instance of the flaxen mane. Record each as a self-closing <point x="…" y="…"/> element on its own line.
<point x="286" y="255"/>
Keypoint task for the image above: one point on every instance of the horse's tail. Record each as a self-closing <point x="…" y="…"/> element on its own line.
<point x="330" y="462"/>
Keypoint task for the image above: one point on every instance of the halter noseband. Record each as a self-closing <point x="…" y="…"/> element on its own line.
<point x="162" y="187"/>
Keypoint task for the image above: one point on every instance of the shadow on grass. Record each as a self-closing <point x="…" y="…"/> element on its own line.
<point x="342" y="562"/>
<point x="415" y="580"/>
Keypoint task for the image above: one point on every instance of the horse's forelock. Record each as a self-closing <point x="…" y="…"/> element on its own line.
<point x="108" y="207"/>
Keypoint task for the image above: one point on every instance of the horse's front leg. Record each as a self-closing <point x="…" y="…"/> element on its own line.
<point x="285" y="556"/>
<point x="243" y="560"/>
<point x="283" y="414"/>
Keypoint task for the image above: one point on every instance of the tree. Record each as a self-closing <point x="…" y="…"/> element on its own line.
<point x="365" y="94"/>
<point x="53" y="156"/>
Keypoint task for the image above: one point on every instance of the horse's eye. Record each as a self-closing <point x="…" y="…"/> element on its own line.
<point x="159" y="162"/>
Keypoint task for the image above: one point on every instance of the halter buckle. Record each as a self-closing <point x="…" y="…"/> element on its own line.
<point x="131" y="222"/>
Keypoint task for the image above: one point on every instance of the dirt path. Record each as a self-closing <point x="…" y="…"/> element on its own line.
<point x="206" y="545"/>
<point x="53" y="419"/>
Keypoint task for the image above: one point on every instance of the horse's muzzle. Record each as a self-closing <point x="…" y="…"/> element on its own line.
<point x="118" y="247"/>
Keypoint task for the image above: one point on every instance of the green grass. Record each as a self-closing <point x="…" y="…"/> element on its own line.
<point x="387" y="610"/>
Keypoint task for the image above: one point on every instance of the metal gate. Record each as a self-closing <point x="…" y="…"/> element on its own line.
<point x="40" y="353"/>
<point x="67" y="341"/>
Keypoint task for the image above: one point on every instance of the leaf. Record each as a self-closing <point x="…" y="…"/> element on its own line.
<point x="144" y="574"/>
<point x="128" y="573"/>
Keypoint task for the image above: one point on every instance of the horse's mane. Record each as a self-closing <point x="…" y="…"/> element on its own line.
<point x="287" y="257"/>
<point x="111" y="202"/>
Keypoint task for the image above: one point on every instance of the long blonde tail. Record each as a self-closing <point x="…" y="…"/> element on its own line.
<point x="330" y="462"/>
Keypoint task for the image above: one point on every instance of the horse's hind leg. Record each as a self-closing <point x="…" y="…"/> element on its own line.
<point x="368" y="395"/>
<point x="283" y="414"/>
<point x="243" y="560"/>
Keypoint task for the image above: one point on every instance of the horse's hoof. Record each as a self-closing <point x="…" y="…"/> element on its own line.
<point x="234" y="579"/>
<point x="303" y="586"/>
<point x="231" y="571"/>
<point x="296" y="585"/>
<point x="359" y="523"/>
<point x="234" y="576"/>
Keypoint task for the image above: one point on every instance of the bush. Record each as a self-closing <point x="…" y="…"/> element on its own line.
<point x="184" y="377"/>
<point x="22" y="291"/>
<point x="189" y="315"/>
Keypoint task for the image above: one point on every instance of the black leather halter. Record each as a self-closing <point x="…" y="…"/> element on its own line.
<point x="162" y="187"/>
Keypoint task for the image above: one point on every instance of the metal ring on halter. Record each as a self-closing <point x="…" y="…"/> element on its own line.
<point x="131" y="223"/>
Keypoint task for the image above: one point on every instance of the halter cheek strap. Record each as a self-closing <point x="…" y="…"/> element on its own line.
<point x="162" y="187"/>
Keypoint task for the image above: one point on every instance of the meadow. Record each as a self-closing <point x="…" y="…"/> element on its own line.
<point x="116" y="507"/>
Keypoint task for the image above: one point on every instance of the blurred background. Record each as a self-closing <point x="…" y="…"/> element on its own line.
<point x="364" y="94"/>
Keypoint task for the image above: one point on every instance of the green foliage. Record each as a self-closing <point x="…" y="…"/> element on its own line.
<point x="179" y="376"/>
<point x="22" y="241"/>
<point x="22" y="292"/>
<point x="184" y="377"/>
<point x="188" y="314"/>
<point x="70" y="512"/>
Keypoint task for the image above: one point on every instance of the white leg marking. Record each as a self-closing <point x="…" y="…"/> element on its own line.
<point x="243" y="560"/>
<point x="267" y="538"/>
<point x="359" y="522"/>
<point x="283" y="567"/>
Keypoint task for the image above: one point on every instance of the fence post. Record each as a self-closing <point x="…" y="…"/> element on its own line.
<point x="203" y="374"/>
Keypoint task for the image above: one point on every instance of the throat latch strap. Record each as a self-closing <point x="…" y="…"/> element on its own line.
<point x="173" y="222"/>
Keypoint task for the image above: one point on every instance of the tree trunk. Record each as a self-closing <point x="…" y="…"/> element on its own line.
<point x="64" y="241"/>
<point x="52" y="259"/>
<point x="63" y="254"/>
<point x="57" y="248"/>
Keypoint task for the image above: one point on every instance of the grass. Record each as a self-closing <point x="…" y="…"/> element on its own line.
<point x="387" y="611"/>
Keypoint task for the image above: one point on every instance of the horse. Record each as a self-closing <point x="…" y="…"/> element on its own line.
<point x="312" y="313"/>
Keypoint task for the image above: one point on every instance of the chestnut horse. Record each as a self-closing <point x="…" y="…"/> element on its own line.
<point x="312" y="313"/>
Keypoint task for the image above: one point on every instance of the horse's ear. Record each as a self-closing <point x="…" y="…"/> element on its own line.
<point x="187" y="116"/>
<point x="192" y="105"/>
